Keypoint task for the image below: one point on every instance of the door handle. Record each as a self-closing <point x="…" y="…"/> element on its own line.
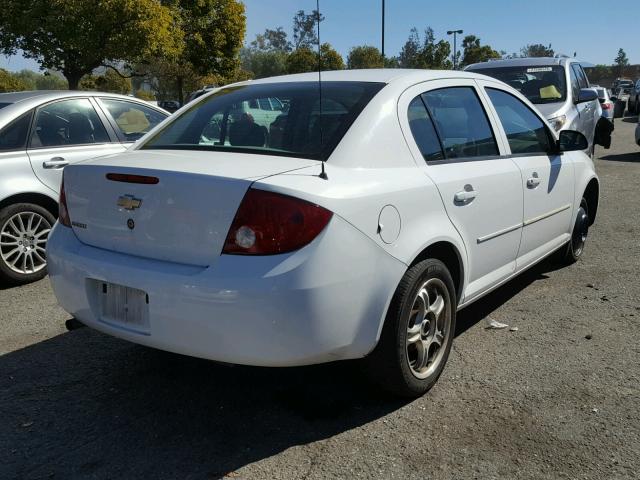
<point x="465" y="195"/>
<point x="55" y="162"/>
<point x="534" y="181"/>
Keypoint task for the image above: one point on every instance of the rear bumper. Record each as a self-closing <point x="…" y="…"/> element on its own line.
<point x="322" y="303"/>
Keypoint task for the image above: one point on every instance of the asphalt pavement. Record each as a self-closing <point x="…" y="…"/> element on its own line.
<point x="558" y="398"/>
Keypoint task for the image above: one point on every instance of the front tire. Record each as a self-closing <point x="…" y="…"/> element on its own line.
<point x="574" y="249"/>
<point x="24" y="229"/>
<point x="418" y="332"/>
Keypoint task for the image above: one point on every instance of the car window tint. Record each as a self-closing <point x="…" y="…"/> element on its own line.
<point x="575" y="84"/>
<point x="525" y="131"/>
<point x="226" y="120"/>
<point x="461" y="122"/>
<point x="14" y="135"/>
<point x="582" y="80"/>
<point x="423" y="131"/>
<point x="264" y="104"/>
<point x="133" y="119"/>
<point x="68" y="122"/>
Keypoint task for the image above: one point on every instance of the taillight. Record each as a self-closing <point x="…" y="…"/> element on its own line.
<point x="606" y="106"/>
<point x="63" y="211"/>
<point x="269" y="223"/>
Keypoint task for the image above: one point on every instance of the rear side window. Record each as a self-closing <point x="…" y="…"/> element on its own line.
<point x="133" y="119"/>
<point x="461" y="122"/>
<point x="14" y="135"/>
<point x="423" y="131"/>
<point x="526" y="133"/>
<point x="231" y="119"/>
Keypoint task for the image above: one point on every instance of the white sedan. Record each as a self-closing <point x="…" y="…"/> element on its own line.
<point x="354" y="226"/>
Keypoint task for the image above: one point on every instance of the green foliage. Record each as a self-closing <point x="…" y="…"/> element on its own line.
<point x="10" y="83"/>
<point x="599" y="73"/>
<point x="419" y="53"/>
<point x="473" y="52"/>
<point x="272" y="40"/>
<point x="364" y="57"/>
<point x="537" y="50"/>
<point x="77" y="36"/>
<point x="304" y="59"/>
<point x="621" y="61"/>
<point x="305" y="28"/>
<point x="51" y="81"/>
<point x="112" y="82"/>
<point x="145" y="95"/>
<point x="263" y="63"/>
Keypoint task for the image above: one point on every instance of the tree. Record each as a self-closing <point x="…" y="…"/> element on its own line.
<point x="365" y="57"/>
<point x="76" y="36"/>
<point x="537" y="50"/>
<point x="213" y="33"/>
<point x="418" y="53"/>
<point x="473" y="52"/>
<point x="263" y="63"/>
<point x="621" y="61"/>
<point x="114" y="83"/>
<point x="272" y="40"/>
<point x="10" y="83"/>
<point x="304" y="28"/>
<point x="304" y="59"/>
<point x="51" y="81"/>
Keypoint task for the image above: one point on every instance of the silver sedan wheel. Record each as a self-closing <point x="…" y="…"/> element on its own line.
<point x="428" y="326"/>
<point x="23" y="239"/>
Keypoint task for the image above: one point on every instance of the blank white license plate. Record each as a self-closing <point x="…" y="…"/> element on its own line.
<point x="124" y="306"/>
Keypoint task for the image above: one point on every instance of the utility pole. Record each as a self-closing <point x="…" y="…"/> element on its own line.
<point x="455" y="47"/>
<point x="382" y="33"/>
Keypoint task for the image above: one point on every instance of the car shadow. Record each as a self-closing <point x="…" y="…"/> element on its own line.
<point x="632" y="157"/>
<point x="83" y="404"/>
<point x="633" y="119"/>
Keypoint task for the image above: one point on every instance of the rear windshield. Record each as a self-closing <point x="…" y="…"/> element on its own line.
<point x="272" y="119"/>
<point x="544" y="84"/>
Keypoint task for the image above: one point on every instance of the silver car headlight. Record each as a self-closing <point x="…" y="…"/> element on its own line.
<point x="558" y="122"/>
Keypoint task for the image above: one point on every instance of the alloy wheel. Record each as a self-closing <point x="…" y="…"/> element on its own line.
<point x="427" y="328"/>
<point x="23" y="239"/>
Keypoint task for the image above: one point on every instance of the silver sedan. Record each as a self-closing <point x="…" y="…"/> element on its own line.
<point x="40" y="133"/>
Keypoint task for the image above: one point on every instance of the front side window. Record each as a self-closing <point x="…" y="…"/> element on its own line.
<point x="66" y="123"/>
<point x="525" y="132"/>
<point x="230" y="119"/>
<point x="540" y="84"/>
<point x="575" y="83"/>
<point x="461" y="122"/>
<point x="14" y="135"/>
<point x="133" y="119"/>
<point x="582" y="77"/>
<point x="423" y="131"/>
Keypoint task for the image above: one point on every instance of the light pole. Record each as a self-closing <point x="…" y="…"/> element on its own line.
<point x="455" y="47"/>
<point x="382" y="33"/>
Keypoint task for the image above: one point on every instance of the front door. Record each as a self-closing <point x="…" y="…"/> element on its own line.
<point x="547" y="179"/>
<point x="65" y="132"/>
<point x="480" y="189"/>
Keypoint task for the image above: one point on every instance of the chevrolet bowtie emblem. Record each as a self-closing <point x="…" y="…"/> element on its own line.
<point x="129" y="202"/>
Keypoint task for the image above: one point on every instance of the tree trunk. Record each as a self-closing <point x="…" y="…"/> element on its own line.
<point x="73" y="79"/>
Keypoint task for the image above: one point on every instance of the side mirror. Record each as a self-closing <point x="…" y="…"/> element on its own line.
<point x="586" y="95"/>
<point x="613" y="98"/>
<point x="571" y="141"/>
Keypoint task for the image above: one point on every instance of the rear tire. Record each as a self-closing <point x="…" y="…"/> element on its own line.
<point x="24" y="229"/>
<point x="418" y="332"/>
<point x="574" y="249"/>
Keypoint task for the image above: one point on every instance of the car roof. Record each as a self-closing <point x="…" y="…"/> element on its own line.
<point x="380" y="75"/>
<point x="523" y="62"/>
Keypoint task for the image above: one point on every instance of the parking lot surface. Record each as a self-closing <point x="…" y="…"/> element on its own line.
<point x="558" y="398"/>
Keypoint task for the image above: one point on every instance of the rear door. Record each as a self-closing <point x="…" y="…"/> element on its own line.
<point x="586" y="110"/>
<point x="65" y="132"/>
<point x="547" y="179"/>
<point x="481" y="190"/>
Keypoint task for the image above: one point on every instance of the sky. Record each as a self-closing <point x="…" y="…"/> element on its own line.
<point x="582" y="26"/>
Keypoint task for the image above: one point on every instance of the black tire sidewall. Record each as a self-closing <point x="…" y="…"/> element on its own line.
<point x="571" y="256"/>
<point x="6" y="274"/>
<point x="388" y="365"/>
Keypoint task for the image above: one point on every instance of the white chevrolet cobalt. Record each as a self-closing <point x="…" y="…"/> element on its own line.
<point x="373" y="207"/>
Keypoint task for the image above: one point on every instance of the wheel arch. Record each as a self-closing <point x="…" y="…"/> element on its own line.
<point x="40" y="199"/>
<point x="591" y="195"/>
<point x="448" y="254"/>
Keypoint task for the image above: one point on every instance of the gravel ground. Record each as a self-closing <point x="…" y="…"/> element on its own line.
<point x="558" y="398"/>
